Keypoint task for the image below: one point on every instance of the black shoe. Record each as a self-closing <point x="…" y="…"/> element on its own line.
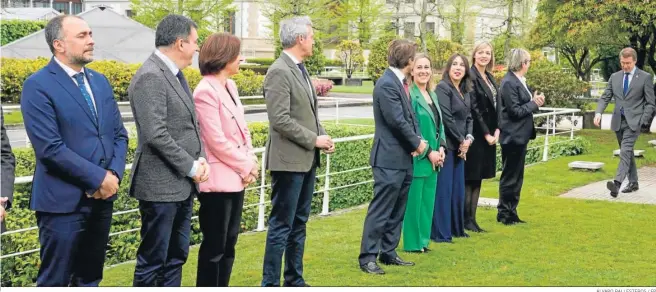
<point x="372" y="268"/>
<point x="613" y="187"/>
<point x="481" y="230"/>
<point x="517" y="220"/>
<point x="397" y="261"/>
<point x="427" y="249"/>
<point x="471" y="226"/>
<point x="631" y="187"/>
<point x="415" y="251"/>
<point x="507" y="221"/>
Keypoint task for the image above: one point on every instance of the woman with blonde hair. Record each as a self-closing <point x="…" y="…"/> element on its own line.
<point x="421" y="198"/>
<point x="482" y="161"/>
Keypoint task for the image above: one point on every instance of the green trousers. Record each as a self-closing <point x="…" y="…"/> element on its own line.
<point x="419" y="213"/>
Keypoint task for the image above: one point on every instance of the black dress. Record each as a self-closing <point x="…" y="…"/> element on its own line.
<point x="482" y="158"/>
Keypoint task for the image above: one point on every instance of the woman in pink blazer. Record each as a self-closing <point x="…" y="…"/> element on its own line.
<point x="227" y="142"/>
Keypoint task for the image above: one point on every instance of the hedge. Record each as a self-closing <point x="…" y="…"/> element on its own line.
<point x="261" y="61"/>
<point x="11" y="30"/>
<point x="22" y="270"/>
<point x="15" y="71"/>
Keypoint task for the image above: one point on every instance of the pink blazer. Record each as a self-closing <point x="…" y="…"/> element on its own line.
<point x="224" y="134"/>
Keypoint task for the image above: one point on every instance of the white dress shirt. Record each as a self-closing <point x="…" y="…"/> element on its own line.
<point x="71" y="73"/>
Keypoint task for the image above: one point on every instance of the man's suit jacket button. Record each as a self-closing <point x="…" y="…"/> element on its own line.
<point x="102" y="161"/>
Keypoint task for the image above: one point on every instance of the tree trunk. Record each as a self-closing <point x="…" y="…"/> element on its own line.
<point x="506" y="46"/>
<point x="422" y="26"/>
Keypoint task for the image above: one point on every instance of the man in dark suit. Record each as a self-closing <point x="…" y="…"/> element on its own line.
<point x="633" y="91"/>
<point x="8" y="168"/>
<point x="292" y="152"/>
<point x="80" y="144"/>
<point x="168" y="163"/>
<point x="396" y="140"/>
<point x="516" y="107"/>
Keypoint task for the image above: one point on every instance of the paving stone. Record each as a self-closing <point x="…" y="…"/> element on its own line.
<point x="586" y="165"/>
<point x="598" y="191"/>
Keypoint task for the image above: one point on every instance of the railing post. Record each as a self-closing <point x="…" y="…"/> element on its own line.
<point x="337" y="112"/>
<point x="326" y="186"/>
<point x="261" y="207"/>
<point x="545" y="153"/>
<point x="571" y="133"/>
<point x="553" y="131"/>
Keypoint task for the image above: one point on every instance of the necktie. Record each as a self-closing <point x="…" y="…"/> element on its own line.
<point x="626" y="82"/>
<point x="79" y="77"/>
<point x="183" y="82"/>
<point x="304" y="71"/>
<point x="626" y="88"/>
<point x="406" y="87"/>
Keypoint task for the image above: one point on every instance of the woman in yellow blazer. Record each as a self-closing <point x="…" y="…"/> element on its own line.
<point x="421" y="199"/>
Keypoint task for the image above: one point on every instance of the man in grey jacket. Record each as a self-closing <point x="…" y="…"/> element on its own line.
<point x="633" y="91"/>
<point x="168" y="163"/>
<point x="292" y="152"/>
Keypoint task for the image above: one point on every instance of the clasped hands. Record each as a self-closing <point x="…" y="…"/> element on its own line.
<point x="108" y="187"/>
<point x="464" y="148"/>
<point x="325" y="143"/>
<point x="252" y="176"/>
<point x="435" y="157"/>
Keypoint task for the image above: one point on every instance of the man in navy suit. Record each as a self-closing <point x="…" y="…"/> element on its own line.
<point x="396" y="140"/>
<point x="80" y="144"/>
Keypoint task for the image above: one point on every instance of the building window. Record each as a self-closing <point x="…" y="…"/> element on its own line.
<point x="410" y="1"/>
<point x="409" y="29"/>
<point x="128" y="13"/>
<point x="229" y="23"/>
<point x="61" y="7"/>
<point x="77" y="8"/>
<point x="430" y="27"/>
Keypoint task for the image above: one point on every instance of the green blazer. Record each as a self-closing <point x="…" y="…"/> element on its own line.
<point x="431" y="132"/>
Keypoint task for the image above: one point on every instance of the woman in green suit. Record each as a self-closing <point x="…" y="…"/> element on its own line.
<point x="421" y="199"/>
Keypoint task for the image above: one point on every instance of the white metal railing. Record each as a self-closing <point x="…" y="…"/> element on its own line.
<point x="336" y="100"/>
<point x="550" y="127"/>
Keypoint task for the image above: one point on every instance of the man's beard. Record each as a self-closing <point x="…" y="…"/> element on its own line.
<point x="80" y="60"/>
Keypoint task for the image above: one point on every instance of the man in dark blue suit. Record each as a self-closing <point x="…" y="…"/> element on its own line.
<point x="80" y="144"/>
<point x="396" y="140"/>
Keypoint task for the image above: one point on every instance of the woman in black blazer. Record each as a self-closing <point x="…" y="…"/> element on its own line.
<point x="453" y="96"/>
<point x="482" y="159"/>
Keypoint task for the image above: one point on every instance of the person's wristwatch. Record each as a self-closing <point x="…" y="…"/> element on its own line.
<point x="470" y="137"/>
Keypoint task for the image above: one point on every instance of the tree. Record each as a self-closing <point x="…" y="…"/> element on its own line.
<point x="315" y="63"/>
<point x="587" y="32"/>
<point x="209" y="15"/>
<point x="356" y="19"/>
<point x="352" y="56"/>
<point x="583" y="46"/>
<point x="441" y="50"/>
<point x="378" y="56"/>
<point x="454" y="15"/>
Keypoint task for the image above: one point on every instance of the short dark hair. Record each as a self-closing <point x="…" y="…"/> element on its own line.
<point x="400" y="52"/>
<point x="466" y="83"/>
<point x="217" y="51"/>
<point x="53" y="30"/>
<point x="172" y="28"/>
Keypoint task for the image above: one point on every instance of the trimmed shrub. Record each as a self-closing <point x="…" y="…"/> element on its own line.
<point x="322" y="86"/>
<point x="15" y="71"/>
<point x="11" y="30"/>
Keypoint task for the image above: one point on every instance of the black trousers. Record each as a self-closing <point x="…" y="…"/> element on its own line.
<point x="220" y="223"/>
<point x="382" y="226"/>
<point x="512" y="178"/>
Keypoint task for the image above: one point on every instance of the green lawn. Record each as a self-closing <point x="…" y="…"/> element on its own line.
<point x="367" y="87"/>
<point x="14" y="117"/>
<point x="592" y="106"/>
<point x="567" y="242"/>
